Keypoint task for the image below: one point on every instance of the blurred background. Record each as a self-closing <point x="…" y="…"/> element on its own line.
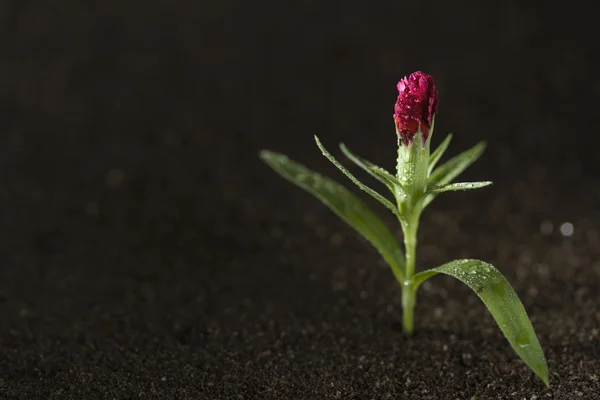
<point x="147" y="250"/>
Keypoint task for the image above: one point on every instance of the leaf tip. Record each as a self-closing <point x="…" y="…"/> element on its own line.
<point x="447" y="139"/>
<point x="542" y="373"/>
<point x="320" y="145"/>
<point x="264" y="154"/>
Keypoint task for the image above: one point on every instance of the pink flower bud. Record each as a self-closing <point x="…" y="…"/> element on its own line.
<point x="416" y="105"/>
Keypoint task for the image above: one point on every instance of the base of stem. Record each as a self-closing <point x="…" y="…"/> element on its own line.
<point x="408" y="309"/>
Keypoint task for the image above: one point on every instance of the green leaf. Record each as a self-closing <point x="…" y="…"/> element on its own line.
<point x="358" y="183"/>
<point x="345" y="204"/>
<point x="459" y="186"/>
<point x="504" y="304"/>
<point x="446" y="172"/>
<point x="438" y="153"/>
<point x="374" y="170"/>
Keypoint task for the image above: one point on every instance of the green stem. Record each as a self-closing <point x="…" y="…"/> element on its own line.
<point x="411" y="171"/>
<point x="408" y="287"/>
<point x="408" y="309"/>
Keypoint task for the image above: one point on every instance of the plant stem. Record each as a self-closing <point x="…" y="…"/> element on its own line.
<point x="411" y="171"/>
<point x="408" y="289"/>
<point x="408" y="308"/>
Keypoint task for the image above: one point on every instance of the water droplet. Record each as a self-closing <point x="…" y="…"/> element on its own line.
<point x="567" y="229"/>
<point x="522" y="339"/>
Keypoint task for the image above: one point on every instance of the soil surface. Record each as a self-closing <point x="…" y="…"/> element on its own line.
<point x="148" y="253"/>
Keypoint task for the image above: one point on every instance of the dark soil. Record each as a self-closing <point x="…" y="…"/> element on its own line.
<point x="148" y="253"/>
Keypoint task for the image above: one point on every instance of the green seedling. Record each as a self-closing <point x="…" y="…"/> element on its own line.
<point x="417" y="182"/>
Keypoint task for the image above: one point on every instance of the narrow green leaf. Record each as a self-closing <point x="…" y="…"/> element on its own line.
<point x="374" y="170"/>
<point x="459" y="186"/>
<point x="446" y="172"/>
<point x="438" y="153"/>
<point x="504" y="305"/>
<point x="345" y="204"/>
<point x="358" y="183"/>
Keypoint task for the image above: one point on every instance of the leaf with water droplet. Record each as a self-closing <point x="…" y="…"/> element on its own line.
<point x="374" y="170"/>
<point x="459" y="186"/>
<point x="345" y="204"/>
<point x="504" y="305"/>
<point x="354" y="180"/>
<point x="445" y="173"/>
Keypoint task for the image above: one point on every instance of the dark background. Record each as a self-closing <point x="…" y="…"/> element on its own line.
<point x="148" y="253"/>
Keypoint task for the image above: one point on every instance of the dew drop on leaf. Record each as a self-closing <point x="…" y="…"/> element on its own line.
<point x="522" y="339"/>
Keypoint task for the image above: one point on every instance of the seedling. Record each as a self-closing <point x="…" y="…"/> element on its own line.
<point x="418" y="181"/>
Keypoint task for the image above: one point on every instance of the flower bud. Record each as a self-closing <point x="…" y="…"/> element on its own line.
<point x="415" y="107"/>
